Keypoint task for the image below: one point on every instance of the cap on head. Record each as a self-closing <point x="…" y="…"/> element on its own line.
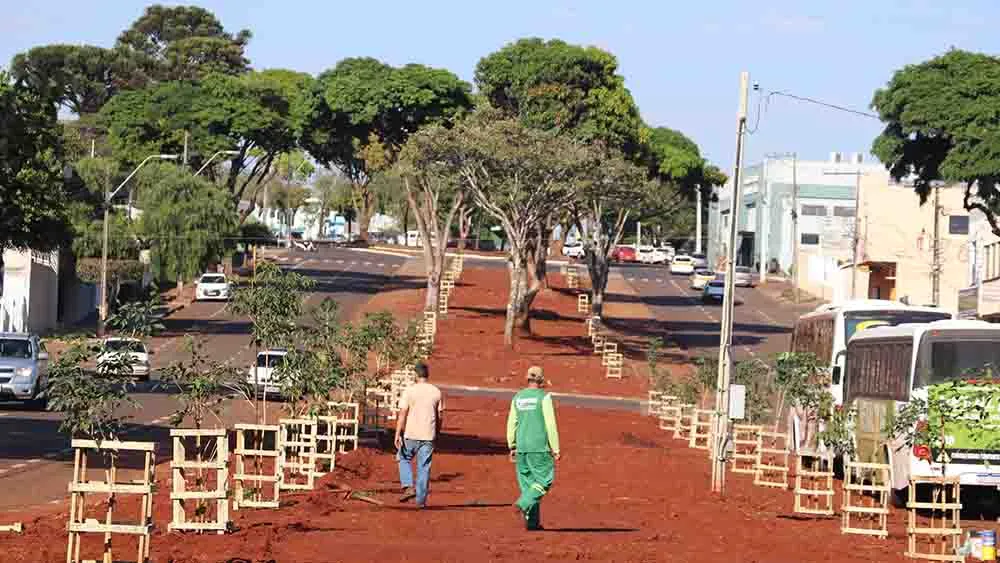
<point x="535" y="375"/>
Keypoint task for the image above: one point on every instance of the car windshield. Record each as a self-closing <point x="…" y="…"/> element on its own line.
<point x="645" y="249"/>
<point x="705" y="273"/>
<point x="715" y="284"/>
<point x="124" y="346"/>
<point x="270" y="361"/>
<point x="855" y="320"/>
<point x="742" y="270"/>
<point x="953" y="358"/>
<point x="15" y="348"/>
<point x="682" y="259"/>
<point x="699" y="256"/>
<point x="213" y="278"/>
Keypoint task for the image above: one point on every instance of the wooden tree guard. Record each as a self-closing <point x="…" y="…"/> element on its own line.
<point x="448" y="284"/>
<point x="572" y="281"/>
<point x="683" y="429"/>
<point x="608" y="349"/>
<point x="867" y="487"/>
<point x="654" y="403"/>
<point x="593" y="326"/>
<point x="81" y="486"/>
<point x="252" y="496"/>
<point x="943" y="536"/>
<point x="181" y="466"/>
<point x="814" y="483"/>
<point x="700" y="436"/>
<point x="15" y="528"/>
<point x="583" y="303"/>
<point x="347" y="428"/>
<point x="744" y="458"/>
<point x="614" y="365"/>
<point x="771" y="467"/>
<point x="296" y="454"/>
<point x="443" y="302"/>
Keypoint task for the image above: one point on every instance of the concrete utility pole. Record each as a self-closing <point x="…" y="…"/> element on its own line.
<point x="936" y="266"/>
<point x="763" y="221"/>
<point x="856" y="238"/>
<point x="721" y="426"/>
<point x="638" y="236"/>
<point x="795" y="228"/>
<point x="697" y="222"/>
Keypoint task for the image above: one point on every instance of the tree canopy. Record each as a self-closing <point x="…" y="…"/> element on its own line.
<point x="32" y="201"/>
<point x="941" y="123"/>
<point x="182" y="43"/>
<point x="81" y="78"/>
<point x="553" y="85"/>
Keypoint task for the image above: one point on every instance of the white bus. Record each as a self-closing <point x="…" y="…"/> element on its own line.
<point x="889" y="366"/>
<point x="825" y="332"/>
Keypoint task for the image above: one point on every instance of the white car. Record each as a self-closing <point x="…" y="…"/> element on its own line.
<point x="650" y="255"/>
<point x="573" y="249"/>
<point x="212" y="286"/>
<point x="701" y="277"/>
<point x="134" y="348"/>
<point x="682" y="264"/>
<point x="743" y="277"/>
<point x="700" y="261"/>
<point x="262" y="375"/>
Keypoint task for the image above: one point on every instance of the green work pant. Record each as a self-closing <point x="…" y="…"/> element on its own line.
<point x="535" y="474"/>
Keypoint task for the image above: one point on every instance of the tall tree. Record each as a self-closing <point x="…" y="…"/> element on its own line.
<point x="556" y="86"/>
<point x="326" y="191"/>
<point x="521" y="177"/>
<point x="434" y="192"/>
<point x="941" y="123"/>
<point x="250" y="114"/>
<point x="370" y="109"/>
<point x="288" y="199"/>
<point x="81" y="78"/>
<point x="607" y="192"/>
<point x="182" y="43"/>
<point x="32" y="200"/>
<point x="185" y="219"/>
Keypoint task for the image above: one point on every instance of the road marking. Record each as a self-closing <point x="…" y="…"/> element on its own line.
<point x="56" y="501"/>
<point x="35" y="460"/>
<point x="354" y="262"/>
<point x="4" y="414"/>
<point x="381" y="265"/>
<point x="17" y="466"/>
<point x="340" y="261"/>
<point x="767" y="317"/>
<point x="326" y="260"/>
<point x="630" y="279"/>
<point x="367" y="263"/>
<point x="645" y="280"/>
<point x="300" y="264"/>
<point x="658" y="280"/>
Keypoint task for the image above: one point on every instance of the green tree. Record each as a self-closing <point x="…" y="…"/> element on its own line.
<point x="288" y="199"/>
<point x="92" y="406"/>
<point x="555" y="86"/>
<point x="138" y="319"/>
<point x="203" y="384"/>
<point x="185" y="219"/>
<point x="81" y="78"/>
<point x="329" y="192"/>
<point x="369" y="110"/>
<point x="249" y="113"/>
<point x="181" y="43"/>
<point x="941" y="125"/>
<point x="33" y="207"/>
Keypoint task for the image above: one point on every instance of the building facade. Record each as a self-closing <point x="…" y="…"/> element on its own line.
<point x="981" y="297"/>
<point x="29" y="294"/>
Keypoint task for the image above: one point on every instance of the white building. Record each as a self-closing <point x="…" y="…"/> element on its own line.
<point x="826" y="209"/>
<point x="982" y="296"/>
<point x="29" y="296"/>
<point x="307" y="222"/>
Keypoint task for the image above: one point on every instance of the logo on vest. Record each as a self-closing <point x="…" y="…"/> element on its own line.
<point x="526" y="404"/>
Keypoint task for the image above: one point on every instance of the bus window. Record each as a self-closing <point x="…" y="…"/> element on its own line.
<point x="956" y="358"/>
<point x="855" y="320"/>
<point x="879" y="370"/>
<point x="814" y="335"/>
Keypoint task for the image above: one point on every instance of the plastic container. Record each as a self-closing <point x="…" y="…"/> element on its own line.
<point x="989" y="539"/>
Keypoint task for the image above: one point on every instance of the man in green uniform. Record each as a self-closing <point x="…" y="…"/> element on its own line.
<point x="533" y="439"/>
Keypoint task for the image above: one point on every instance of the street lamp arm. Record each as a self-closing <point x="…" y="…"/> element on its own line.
<point x="134" y="172"/>
<point x="209" y="161"/>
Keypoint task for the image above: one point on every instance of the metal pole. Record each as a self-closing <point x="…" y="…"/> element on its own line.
<point x="93" y="148"/>
<point x="936" y="270"/>
<point x="762" y="221"/>
<point x="103" y="304"/>
<point x="795" y="229"/>
<point x="697" y="223"/>
<point x="638" y="235"/>
<point x="857" y="228"/>
<point x="209" y="161"/>
<point x="185" y="148"/>
<point x="721" y="427"/>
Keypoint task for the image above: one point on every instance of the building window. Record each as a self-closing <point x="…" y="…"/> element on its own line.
<point x="843" y="212"/>
<point x="991" y="262"/>
<point x="814" y="210"/>
<point x="810" y="238"/>
<point x="958" y="224"/>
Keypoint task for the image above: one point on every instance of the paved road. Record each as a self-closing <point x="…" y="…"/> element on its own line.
<point x="762" y="325"/>
<point x="34" y="462"/>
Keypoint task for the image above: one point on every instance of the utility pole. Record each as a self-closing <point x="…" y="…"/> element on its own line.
<point x="93" y="148"/>
<point x="936" y="267"/>
<point x="185" y="158"/>
<point x="856" y="237"/>
<point x="697" y="223"/>
<point x="795" y="229"/>
<point x="721" y="426"/>
<point x="638" y="236"/>
<point x="763" y="221"/>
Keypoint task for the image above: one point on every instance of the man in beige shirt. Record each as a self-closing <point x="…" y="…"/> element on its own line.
<point x="417" y="425"/>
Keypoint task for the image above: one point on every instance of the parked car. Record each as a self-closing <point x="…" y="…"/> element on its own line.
<point x="700" y="261"/>
<point x="743" y="277"/>
<point x="212" y="286"/>
<point x="668" y="250"/>
<point x="701" y="277"/>
<point x="134" y="348"/>
<point x="651" y="255"/>
<point x="624" y="253"/>
<point x="573" y="249"/>
<point x="262" y="375"/>
<point x="682" y="264"/>
<point x="23" y="367"/>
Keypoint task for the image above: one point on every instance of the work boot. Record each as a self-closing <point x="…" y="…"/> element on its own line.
<point x="408" y="494"/>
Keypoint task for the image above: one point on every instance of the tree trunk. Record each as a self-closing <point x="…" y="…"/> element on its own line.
<point x="464" y="225"/>
<point x="406" y="225"/>
<point x="365" y="211"/>
<point x="598" y="268"/>
<point x="515" y="301"/>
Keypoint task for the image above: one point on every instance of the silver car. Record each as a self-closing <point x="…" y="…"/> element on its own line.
<point x="743" y="277"/>
<point x="23" y="367"/>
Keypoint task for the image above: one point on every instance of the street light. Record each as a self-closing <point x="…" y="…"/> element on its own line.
<point x="209" y="161"/>
<point x="103" y="306"/>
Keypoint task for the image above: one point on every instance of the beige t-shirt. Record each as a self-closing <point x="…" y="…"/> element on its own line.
<point x="424" y="403"/>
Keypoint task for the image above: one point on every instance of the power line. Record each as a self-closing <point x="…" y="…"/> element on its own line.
<point x="824" y="104"/>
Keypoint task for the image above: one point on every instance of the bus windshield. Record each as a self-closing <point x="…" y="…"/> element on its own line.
<point x="858" y="320"/>
<point x="946" y="359"/>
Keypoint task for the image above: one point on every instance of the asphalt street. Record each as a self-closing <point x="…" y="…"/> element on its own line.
<point x="35" y="462"/>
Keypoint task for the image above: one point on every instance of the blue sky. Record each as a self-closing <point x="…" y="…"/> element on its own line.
<point x="681" y="60"/>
